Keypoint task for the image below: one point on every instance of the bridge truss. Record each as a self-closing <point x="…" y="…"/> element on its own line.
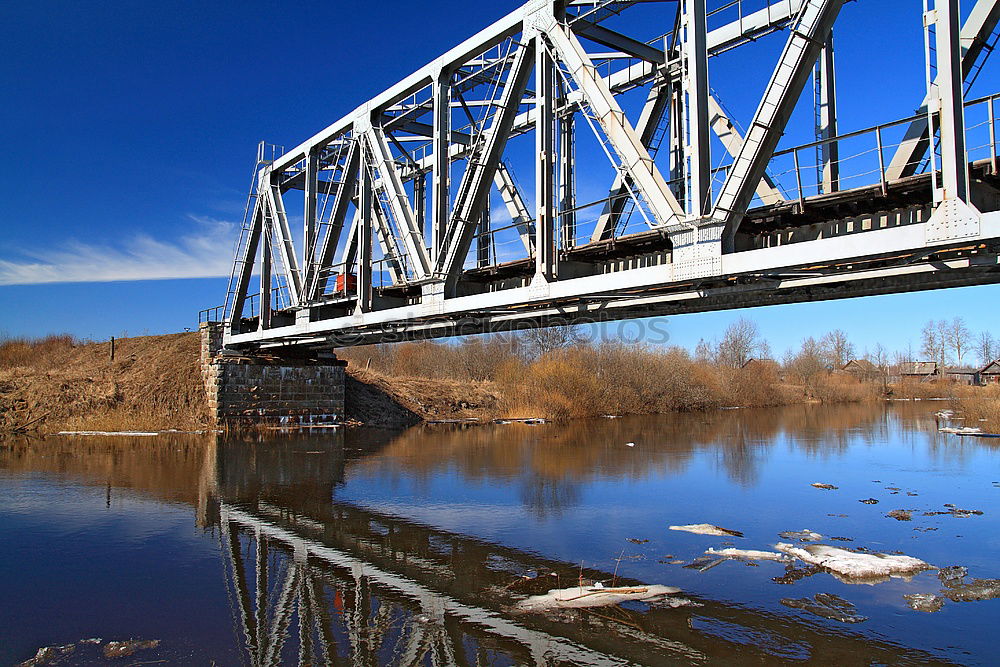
<point x="416" y="224"/>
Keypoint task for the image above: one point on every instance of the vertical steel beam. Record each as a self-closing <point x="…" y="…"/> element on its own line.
<point x="828" y="153"/>
<point x="309" y="212"/>
<point x="441" y="166"/>
<point x="264" y="317"/>
<point x="954" y="166"/>
<point x="473" y="193"/>
<point x="567" y="178"/>
<point x="483" y="239"/>
<point x="545" y="209"/>
<point x="363" y="242"/>
<point x="696" y="112"/>
<point x="678" y="170"/>
<point x="980" y="24"/>
<point x="341" y="201"/>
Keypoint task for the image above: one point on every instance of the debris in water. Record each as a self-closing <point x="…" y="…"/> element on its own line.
<point x="635" y="540"/>
<point x="630" y="444"/>
<point x="577" y="597"/>
<point x="704" y="563"/>
<point x="707" y="529"/>
<point x="852" y="565"/>
<point x="977" y="589"/>
<point x="804" y="535"/>
<point x="957" y="589"/>
<point x="955" y="512"/>
<point x="900" y="515"/>
<point x="944" y="414"/>
<point x="843" y="539"/>
<point x="128" y="647"/>
<point x="838" y="516"/>
<point x="952" y="575"/>
<point x="869" y="501"/>
<point x="533" y="585"/>
<point x="48" y="655"/>
<point x="793" y="574"/>
<point x="827" y="605"/>
<point x="821" y="485"/>
<point x="749" y="554"/>
<point x="927" y="602"/>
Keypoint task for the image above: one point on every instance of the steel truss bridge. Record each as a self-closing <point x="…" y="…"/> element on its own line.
<point x="417" y="225"/>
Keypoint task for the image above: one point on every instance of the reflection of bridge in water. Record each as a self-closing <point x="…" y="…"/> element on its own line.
<point x="346" y="583"/>
<point x="314" y="579"/>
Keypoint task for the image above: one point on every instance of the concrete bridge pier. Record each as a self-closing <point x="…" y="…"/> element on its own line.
<point x="253" y="389"/>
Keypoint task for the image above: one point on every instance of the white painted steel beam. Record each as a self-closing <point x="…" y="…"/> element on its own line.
<point x="390" y="184"/>
<point x="473" y="193"/>
<point x="790" y="75"/>
<point x="980" y="24"/>
<point x="622" y="137"/>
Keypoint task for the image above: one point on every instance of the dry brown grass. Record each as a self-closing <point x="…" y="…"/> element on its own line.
<point x="154" y="382"/>
<point x="980" y="404"/>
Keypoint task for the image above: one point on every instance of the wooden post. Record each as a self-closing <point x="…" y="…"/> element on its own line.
<point x="112" y="348"/>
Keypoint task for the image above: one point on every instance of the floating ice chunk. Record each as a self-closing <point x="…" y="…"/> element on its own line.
<point x="804" y="535"/>
<point x="578" y="597"/>
<point x="707" y="529"/>
<point x="852" y="565"/>
<point x="749" y="554"/>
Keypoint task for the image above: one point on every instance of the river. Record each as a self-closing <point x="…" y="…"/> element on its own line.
<point x="375" y="547"/>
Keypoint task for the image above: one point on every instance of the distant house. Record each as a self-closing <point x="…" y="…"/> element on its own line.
<point x="862" y="369"/>
<point x="962" y="374"/>
<point x="990" y="373"/>
<point x="917" y="370"/>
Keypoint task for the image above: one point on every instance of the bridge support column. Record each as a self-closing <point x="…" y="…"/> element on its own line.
<point x="246" y="390"/>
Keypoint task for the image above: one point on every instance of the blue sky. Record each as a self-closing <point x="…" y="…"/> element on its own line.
<point x="130" y="129"/>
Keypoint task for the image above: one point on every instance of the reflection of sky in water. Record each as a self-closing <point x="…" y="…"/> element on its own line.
<point x="571" y="493"/>
<point x="755" y="483"/>
<point x="85" y="569"/>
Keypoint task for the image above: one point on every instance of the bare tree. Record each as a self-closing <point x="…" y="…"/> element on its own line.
<point x="987" y="347"/>
<point x="703" y="351"/>
<point x="837" y="350"/>
<point x="808" y="362"/>
<point x="932" y="344"/>
<point x="959" y="338"/>
<point x="544" y="340"/>
<point x="739" y="344"/>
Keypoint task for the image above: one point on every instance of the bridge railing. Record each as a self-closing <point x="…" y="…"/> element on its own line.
<point x="863" y="157"/>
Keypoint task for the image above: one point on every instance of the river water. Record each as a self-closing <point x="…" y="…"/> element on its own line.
<point x="373" y="547"/>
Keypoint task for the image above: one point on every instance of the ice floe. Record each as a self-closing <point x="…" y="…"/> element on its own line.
<point x="854" y="566"/>
<point x="707" y="529"/>
<point x="578" y="597"/>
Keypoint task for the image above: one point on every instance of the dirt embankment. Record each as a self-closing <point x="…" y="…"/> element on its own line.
<point x="155" y="383"/>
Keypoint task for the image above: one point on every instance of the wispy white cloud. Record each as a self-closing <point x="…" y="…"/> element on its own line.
<point x="206" y="251"/>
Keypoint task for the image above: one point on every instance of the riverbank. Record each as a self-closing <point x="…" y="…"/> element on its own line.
<point x="154" y="383"/>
